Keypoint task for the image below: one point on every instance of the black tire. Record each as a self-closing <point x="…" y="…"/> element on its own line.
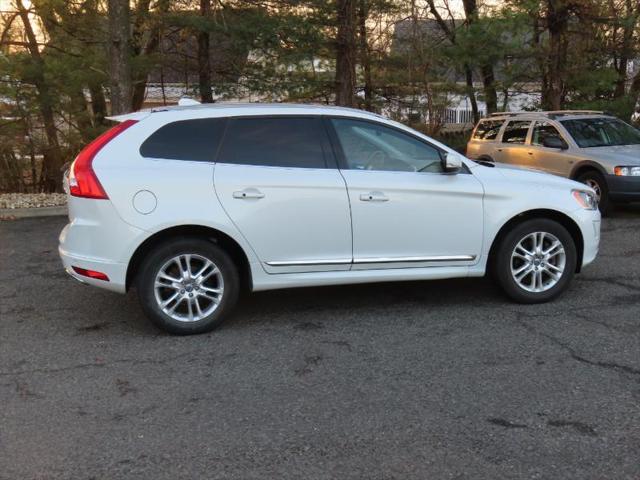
<point x="503" y="261"/>
<point x="597" y="181"/>
<point x="145" y="283"/>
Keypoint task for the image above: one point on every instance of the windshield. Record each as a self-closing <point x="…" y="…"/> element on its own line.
<point x="601" y="132"/>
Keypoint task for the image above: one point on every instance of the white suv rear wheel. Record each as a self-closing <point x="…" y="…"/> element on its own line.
<point x="188" y="286"/>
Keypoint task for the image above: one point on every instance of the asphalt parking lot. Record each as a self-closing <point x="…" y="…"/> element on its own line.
<point x="423" y="380"/>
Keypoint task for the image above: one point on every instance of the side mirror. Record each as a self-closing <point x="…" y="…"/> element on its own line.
<point x="452" y="162"/>
<point x="554" y="142"/>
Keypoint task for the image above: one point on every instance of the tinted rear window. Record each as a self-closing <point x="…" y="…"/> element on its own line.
<point x="488" y="130"/>
<point x="276" y="142"/>
<point x="516" y="132"/>
<point x="196" y="140"/>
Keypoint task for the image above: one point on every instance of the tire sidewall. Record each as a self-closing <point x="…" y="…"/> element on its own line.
<point x="152" y="264"/>
<point x="604" y="205"/>
<point x="508" y="244"/>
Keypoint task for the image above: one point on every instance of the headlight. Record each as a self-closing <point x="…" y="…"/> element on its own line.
<point x="627" y="171"/>
<point x="587" y="200"/>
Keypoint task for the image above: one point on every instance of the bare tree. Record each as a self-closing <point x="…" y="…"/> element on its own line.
<point x="365" y="57"/>
<point x="486" y="69"/>
<point x="450" y="32"/>
<point x="204" y="61"/>
<point x="554" y="61"/>
<point x="345" y="79"/>
<point x="147" y="30"/>
<point x="52" y="165"/>
<point x="120" y="56"/>
<point x="624" y="52"/>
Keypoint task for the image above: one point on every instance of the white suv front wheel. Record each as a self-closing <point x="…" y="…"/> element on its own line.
<point x="536" y="261"/>
<point x="188" y="286"/>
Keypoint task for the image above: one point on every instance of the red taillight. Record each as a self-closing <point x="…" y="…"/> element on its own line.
<point x="91" y="273"/>
<point x="83" y="181"/>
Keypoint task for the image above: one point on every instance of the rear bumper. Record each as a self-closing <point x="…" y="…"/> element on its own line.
<point x="116" y="272"/>
<point x="97" y="239"/>
<point x="624" y="189"/>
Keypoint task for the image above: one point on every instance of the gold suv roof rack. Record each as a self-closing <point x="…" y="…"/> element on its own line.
<point x="550" y="113"/>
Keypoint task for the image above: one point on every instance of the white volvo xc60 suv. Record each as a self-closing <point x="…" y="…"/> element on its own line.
<point x="190" y="205"/>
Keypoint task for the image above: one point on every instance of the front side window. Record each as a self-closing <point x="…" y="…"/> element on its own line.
<point x="371" y="146"/>
<point x="601" y="132"/>
<point x="192" y="140"/>
<point x="290" y="142"/>
<point x="488" y="130"/>
<point x="542" y="130"/>
<point x="516" y="132"/>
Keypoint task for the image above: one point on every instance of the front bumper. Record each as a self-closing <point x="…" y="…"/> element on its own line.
<point x="589" y="223"/>
<point x="624" y="189"/>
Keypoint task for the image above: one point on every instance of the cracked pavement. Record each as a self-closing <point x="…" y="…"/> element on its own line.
<point x="417" y="380"/>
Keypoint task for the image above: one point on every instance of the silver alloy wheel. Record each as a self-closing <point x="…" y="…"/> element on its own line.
<point x="596" y="187"/>
<point x="538" y="262"/>
<point x="189" y="287"/>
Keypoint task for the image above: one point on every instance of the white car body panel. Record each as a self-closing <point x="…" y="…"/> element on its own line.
<point x="312" y="233"/>
<point x="425" y="218"/>
<point x="504" y="201"/>
<point x="306" y="217"/>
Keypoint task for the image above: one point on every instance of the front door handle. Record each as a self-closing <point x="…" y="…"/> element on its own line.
<point x="248" y="193"/>
<point x="374" y="197"/>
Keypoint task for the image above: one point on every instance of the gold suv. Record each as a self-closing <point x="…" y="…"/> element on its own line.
<point x="591" y="147"/>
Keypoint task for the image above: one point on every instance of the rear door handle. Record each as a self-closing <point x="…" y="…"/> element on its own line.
<point x="374" y="197"/>
<point x="248" y="193"/>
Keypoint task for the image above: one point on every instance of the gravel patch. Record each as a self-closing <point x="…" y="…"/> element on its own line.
<point x="32" y="200"/>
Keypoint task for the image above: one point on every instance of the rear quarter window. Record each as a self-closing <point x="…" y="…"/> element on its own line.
<point x="487" y="129"/>
<point x="193" y="140"/>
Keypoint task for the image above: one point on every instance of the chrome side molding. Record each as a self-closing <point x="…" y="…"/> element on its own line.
<point x="437" y="258"/>
<point x="304" y="263"/>
<point x="372" y="260"/>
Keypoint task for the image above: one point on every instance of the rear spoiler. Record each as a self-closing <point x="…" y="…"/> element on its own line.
<point x="141" y="114"/>
<point x="137" y="116"/>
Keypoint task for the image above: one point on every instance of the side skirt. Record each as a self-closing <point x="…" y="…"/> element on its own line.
<point x="264" y="281"/>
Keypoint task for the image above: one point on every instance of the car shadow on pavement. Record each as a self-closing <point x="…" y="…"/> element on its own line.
<point x="371" y="299"/>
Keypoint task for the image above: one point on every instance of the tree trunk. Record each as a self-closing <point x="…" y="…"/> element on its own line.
<point x="120" y="56"/>
<point x="98" y="103"/>
<point x="52" y="164"/>
<point x="365" y="60"/>
<point x="634" y="90"/>
<point x="345" y="80"/>
<point x="149" y="48"/>
<point x="486" y="69"/>
<point x="204" y="61"/>
<point x="626" y="50"/>
<point x="468" y="74"/>
<point x="489" y="84"/>
<point x="557" y="23"/>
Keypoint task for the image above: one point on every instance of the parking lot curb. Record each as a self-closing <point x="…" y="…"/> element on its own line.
<point x="12" y="213"/>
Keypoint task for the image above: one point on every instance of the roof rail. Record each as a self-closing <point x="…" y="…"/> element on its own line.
<point x="575" y="112"/>
<point x="548" y="113"/>
<point x="507" y="114"/>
